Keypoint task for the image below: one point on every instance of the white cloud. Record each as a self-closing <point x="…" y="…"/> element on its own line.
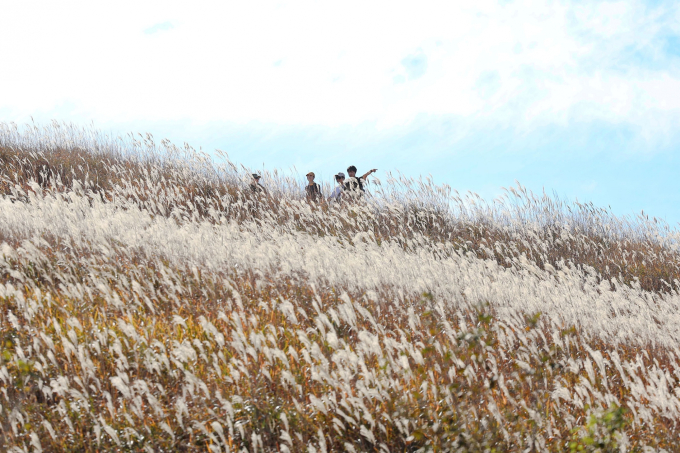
<point x="521" y="64"/>
<point x="164" y="26"/>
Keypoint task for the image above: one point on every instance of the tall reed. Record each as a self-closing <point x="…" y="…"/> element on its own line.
<point x="152" y="302"/>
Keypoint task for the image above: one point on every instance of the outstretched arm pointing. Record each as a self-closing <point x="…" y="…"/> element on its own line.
<point x="368" y="173"/>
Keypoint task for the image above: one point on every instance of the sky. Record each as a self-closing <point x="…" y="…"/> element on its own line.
<point x="577" y="98"/>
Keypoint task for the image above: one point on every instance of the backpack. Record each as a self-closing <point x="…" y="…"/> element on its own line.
<point x="354" y="184"/>
<point x="313" y="192"/>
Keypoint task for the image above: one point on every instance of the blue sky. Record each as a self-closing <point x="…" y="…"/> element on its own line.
<point x="580" y="98"/>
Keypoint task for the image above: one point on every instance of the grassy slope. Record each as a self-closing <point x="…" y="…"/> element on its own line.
<point x="111" y="340"/>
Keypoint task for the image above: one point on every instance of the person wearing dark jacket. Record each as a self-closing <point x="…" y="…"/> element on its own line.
<point x="313" y="189"/>
<point x="255" y="185"/>
<point x="355" y="184"/>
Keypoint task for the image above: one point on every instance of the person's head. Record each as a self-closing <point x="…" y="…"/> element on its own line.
<point x="340" y="177"/>
<point x="351" y="171"/>
<point x="310" y="177"/>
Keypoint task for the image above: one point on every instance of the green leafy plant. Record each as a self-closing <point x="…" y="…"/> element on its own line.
<point x="602" y="433"/>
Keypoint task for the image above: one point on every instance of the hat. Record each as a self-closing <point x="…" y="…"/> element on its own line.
<point x="311" y="173"/>
<point x="340" y="175"/>
<point x="256" y="176"/>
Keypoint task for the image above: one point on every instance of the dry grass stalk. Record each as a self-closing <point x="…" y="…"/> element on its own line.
<point x="151" y="302"/>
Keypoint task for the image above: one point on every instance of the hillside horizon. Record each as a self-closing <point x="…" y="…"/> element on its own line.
<point x="151" y="302"/>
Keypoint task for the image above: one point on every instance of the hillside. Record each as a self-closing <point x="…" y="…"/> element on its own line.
<point x="152" y="302"/>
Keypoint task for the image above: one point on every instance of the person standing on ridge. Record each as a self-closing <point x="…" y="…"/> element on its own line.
<point x="313" y="189"/>
<point x="356" y="184"/>
<point x="255" y="185"/>
<point x="337" y="193"/>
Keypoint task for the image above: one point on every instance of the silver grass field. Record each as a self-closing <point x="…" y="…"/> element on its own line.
<point x="152" y="302"/>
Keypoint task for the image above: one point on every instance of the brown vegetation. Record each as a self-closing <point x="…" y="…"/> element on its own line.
<point x="544" y="230"/>
<point x="104" y="347"/>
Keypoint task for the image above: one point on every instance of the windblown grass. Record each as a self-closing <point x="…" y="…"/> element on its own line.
<point x="151" y="302"/>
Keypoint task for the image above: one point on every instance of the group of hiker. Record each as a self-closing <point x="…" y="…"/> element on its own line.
<point x="352" y="187"/>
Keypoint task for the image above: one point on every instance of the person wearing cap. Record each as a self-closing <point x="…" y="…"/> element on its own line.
<point x="337" y="193"/>
<point x="313" y="189"/>
<point x="255" y="185"/>
<point x="356" y="185"/>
